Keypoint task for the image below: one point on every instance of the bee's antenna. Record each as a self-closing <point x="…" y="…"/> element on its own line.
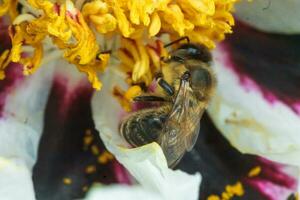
<point x="178" y="40"/>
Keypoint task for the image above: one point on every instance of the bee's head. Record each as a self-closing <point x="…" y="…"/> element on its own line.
<point x="191" y="51"/>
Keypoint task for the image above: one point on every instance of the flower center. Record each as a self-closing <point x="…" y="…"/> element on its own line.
<point x="62" y="27"/>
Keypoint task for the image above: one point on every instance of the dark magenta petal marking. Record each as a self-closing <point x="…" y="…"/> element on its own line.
<point x="272" y="181"/>
<point x="13" y="72"/>
<point x="61" y="151"/>
<point x="275" y="173"/>
<point x="121" y="174"/>
<point x="220" y="164"/>
<point x="69" y="94"/>
<point x="272" y="61"/>
<point x="13" y="78"/>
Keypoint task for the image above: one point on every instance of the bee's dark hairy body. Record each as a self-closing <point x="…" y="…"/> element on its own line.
<point x="143" y="127"/>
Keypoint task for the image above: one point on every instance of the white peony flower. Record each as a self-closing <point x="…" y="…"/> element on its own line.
<point x="44" y="32"/>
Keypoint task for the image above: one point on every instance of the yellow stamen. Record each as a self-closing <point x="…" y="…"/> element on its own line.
<point x="4" y="61"/>
<point x="30" y="65"/>
<point x="105" y="23"/>
<point x="132" y="92"/>
<point x="155" y="25"/>
<point x="17" y="38"/>
<point x="9" y="6"/>
<point x="203" y="21"/>
<point x="119" y="95"/>
<point x="69" y="32"/>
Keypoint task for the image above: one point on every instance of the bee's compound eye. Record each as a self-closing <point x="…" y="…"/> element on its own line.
<point x="201" y="78"/>
<point x="197" y="52"/>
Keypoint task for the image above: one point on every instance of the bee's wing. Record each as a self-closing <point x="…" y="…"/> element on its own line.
<point x="191" y="139"/>
<point x="182" y="125"/>
<point x="189" y="120"/>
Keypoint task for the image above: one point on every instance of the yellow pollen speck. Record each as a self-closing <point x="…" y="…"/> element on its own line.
<point x="90" y="169"/>
<point x="85" y="188"/>
<point x="95" y="149"/>
<point x="236" y="189"/>
<point x="255" y="171"/>
<point x="230" y="191"/>
<point x="105" y="157"/>
<point x="67" y="181"/>
<point x="213" y="197"/>
<point x="102" y="160"/>
<point x="226" y="196"/>
<point x="87" y="140"/>
<point x="109" y="155"/>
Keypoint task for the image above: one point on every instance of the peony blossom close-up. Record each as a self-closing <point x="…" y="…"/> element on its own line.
<point x="149" y="99"/>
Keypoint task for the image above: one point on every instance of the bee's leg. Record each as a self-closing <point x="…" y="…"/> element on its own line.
<point x="149" y="98"/>
<point x="178" y="40"/>
<point x="164" y="84"/>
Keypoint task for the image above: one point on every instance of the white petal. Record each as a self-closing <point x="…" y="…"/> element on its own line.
<point x="15" y="180"/>
<point x="20" y="129"/>
<point x="271" y="15"/>
<point x="27" y="101"/>
<point x="147" y="164"/>
<point x="249" y="122"/>
<point x="124" y="192"/>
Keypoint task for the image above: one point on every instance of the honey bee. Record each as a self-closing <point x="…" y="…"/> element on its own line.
<point x="187" y="83"/>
